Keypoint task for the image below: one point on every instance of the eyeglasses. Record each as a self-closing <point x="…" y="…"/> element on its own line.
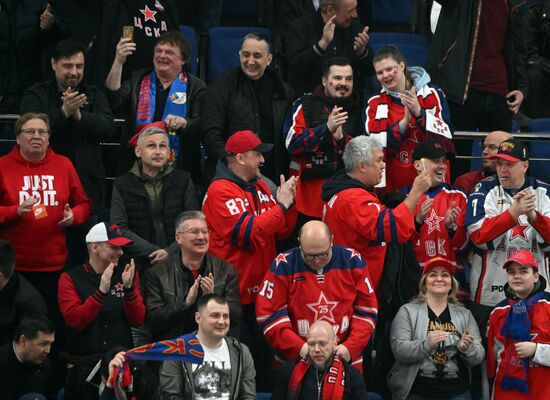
<point x="196" y="231"/>
<point x="318" y="256"/>
<point x="32" y="131"/>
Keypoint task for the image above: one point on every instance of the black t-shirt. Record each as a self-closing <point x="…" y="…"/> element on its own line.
<point x="150" y="19"/>
<point x="443" y="374"/>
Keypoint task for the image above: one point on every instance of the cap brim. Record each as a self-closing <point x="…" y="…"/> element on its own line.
<point x="264" y="147"/>
<point x="119" y="241"/>
<point x="504" y="157"/>
<point x="449" y="267"/>
<point x="526" y="265"/>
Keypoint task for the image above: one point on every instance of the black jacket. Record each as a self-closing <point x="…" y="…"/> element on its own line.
<point x="452" y="53"/>
<point x="131" y="209"/>
<point x="78" y="140"/>
<point x="165" y="287"/>
<point x="305" y="58"/>
<point x="125" y="99"/>
<point x="18" y="299"/>
<point x="230" y="105"/>
<point x="538" y="36"/>
<point x="354" y="387"/>
<point x="22" y="43"/>
<point x="291" y="10"/>
<point x="17" y="379"/>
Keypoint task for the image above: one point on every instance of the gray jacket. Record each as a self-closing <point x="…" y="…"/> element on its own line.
<point x="176" y="378"/>
<point x="409" y="343"/>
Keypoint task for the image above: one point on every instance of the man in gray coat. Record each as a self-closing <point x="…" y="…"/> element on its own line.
<point x="228" y="368"/>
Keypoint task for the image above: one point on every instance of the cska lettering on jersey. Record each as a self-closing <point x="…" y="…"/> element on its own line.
<point x="40" y="187"/>
<point x="150" y="15"/>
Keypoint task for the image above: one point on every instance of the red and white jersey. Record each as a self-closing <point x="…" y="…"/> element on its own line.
<point x="294" y="296"/>
<point x="383" y="114"/>
<point x="434" y="239"/>
<point x="497" y="235"/>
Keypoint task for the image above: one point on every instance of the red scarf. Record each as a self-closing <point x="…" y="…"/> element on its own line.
<point x="333" y="381"/>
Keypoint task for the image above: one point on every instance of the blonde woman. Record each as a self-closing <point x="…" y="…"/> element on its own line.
<point x="435" y="340"/>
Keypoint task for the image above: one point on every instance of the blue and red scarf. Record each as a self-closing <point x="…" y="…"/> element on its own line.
<point x="176" y="104"/>
<point x="333" y="380"/>
<point x="185" y="348"/>
<point x="516" y="328"/>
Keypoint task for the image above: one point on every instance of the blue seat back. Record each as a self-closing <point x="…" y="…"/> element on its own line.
<point x="413" y="47"/>
<point x="224" y="45"/>
<point x="189" y="33"/>
<point x="539" y="169"/>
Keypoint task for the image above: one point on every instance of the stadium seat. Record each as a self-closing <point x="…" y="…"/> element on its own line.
<point x="539" y="169"/>
<point x="413" y="47"/>
<point x="374" y="396"/>
<point x="189" y="33"/>
<point x="224" y="45"/>
<point x="263" y="396"/>
<point x="477" y="149"/>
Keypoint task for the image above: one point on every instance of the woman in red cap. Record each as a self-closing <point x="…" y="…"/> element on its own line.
<point x="435" y="340"/>
<point x="518" y="359"/>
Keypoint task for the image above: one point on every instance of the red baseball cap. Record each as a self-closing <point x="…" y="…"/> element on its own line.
<point x="438" y="262"/>
<point x="242" y="141"/>
<point x="524" y="258"/>
<point x="159" y="124"/>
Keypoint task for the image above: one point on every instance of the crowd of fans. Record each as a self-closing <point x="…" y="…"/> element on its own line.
<point x="320" y="228"/>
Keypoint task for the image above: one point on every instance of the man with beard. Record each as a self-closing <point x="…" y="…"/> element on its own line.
<point x="467" y="181"/>
<point x="317" y="127"/>
<point x="320" y="373"/>
<point x="80" y="117"/>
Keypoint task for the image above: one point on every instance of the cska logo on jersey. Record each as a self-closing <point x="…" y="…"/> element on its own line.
<point x="323" y="309"/>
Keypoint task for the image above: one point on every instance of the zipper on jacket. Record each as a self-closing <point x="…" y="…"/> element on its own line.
<point x="472" y="52"/>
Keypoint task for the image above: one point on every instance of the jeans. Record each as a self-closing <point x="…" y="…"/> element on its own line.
<point x="464" y="396"/>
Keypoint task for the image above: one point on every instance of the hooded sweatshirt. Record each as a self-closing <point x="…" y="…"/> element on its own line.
<point x="38" y="240"/>
<point x="245" y="221"/>
<point x="358" y="220"/>
<point x="385" y="110"/>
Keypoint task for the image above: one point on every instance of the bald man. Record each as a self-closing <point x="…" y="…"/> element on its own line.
<point x="317" y="281"/>
<point x="467" y="181"/>
<point x="320" y="373"/>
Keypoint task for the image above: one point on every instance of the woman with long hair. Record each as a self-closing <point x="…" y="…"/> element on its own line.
<point x="435" y="340"/>
<point x="408" y="110"/>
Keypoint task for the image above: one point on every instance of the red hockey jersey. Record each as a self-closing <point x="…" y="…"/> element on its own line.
<point x="357" y="219"/>
<point x="245" y="221"/>
<point x="293" y="296"/>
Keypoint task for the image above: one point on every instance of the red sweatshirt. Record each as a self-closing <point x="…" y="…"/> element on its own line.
<point x="39" y="242"/>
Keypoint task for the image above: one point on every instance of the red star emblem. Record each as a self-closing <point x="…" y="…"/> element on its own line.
<point x="354" y="253"/>
<point x="519" y="231"/>
<point x="119" y="287"/>
<point x="438" y="122"/>
<point x="433" y="222"/>
<point x="323" y="308"/>
<point x="281" y="257"/>
<point x="149" y="14"/>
